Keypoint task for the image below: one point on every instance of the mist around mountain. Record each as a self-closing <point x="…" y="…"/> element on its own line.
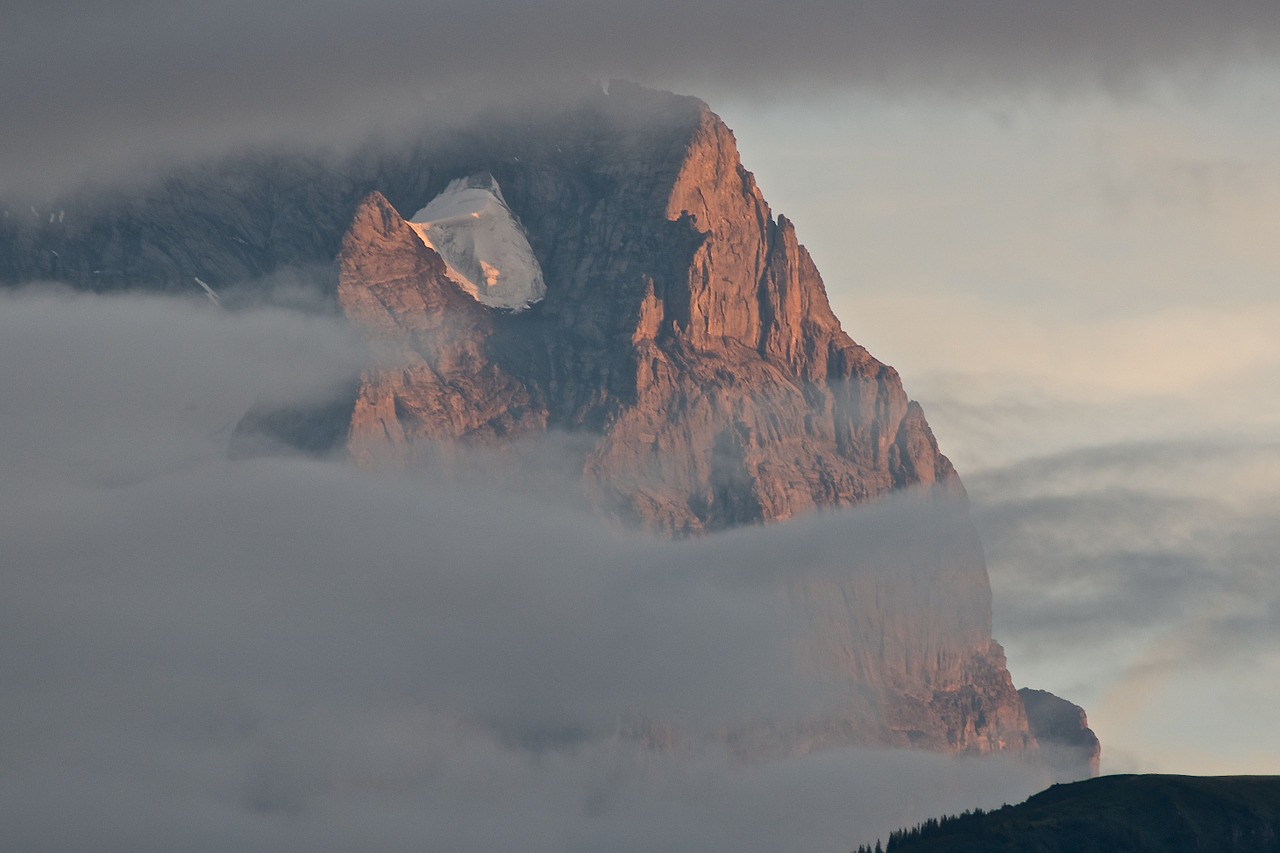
<point x="1124" y="814"/>
<point x="685" y="341"/>
<point x="295" y="654"/>
<point x="684" y="365"/>
<point x="1051" y="174"/>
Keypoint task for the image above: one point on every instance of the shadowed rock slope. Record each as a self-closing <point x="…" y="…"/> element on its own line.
<point x="1068" y="746"/>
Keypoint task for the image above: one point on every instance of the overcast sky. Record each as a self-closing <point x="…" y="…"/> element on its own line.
<point x="90" y="85"/>
<point x="1056" y="220"/>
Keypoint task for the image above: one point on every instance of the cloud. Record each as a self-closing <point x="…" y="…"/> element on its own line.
<point x="118" y="390"/>
<point x="293" y="654"/>
<point x="1111" y="561"/>
<point x="387" y="779"/>
<point x="1124" y="472"/>
<point x="1127" y="538"/>
<point x="1173" y="351"/>
<point x="1138" y="581"/>
<point x="90" y="87"/>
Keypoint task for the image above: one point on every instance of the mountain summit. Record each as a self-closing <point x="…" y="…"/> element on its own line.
<point x="608" y="272"/>
<point x="686" y="340"/>
<point x="684" y="324"/>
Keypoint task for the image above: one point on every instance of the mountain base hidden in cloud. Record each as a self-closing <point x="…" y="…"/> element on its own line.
<point x="683" y="359"/>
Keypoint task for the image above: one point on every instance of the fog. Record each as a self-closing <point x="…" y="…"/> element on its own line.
<point x="290" y="653"/>
<point x="94" y="89"/>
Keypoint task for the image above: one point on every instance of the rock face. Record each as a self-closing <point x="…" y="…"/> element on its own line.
<point x="685" y="345"/>
<point x="439" y="382"/>
<point x="690" y="328"/>
<point x="1068" y="747"/>
<point x="686" y="332"/>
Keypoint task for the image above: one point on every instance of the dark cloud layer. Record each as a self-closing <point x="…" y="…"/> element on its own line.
<point x="290" y="654"/>
<point x="92" y="85"/>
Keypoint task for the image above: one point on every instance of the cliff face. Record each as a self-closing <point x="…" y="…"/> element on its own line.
<point x="685" y="345"/>
<point x="687" y="334"/>
<point x="437" y="382"/>
<point x="689" y="327"/>
<point x="1069" y="747"/>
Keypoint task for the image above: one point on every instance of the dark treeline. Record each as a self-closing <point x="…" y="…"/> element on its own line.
<point x="1134" y="814"/>
<point x="967" y="822"/>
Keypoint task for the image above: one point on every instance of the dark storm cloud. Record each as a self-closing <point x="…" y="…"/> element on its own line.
<point x="90" y="85"/>
<point x="291" y="654"/>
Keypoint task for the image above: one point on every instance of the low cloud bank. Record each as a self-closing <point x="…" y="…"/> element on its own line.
<point x="292" y="654"/>
<point x="91" y="87"/>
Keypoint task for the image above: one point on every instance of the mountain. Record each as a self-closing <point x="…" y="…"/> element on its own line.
<point x="1067" y="745"/>
<point x="1126" y="814"/>
<point x="607" y="274"/>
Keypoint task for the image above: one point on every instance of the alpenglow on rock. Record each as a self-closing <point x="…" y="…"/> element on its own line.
<point x="686" y="335"/>
<point x="683" y="343"/>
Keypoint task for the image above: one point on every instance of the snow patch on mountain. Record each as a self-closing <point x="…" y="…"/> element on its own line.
<point x="482" y="243"/>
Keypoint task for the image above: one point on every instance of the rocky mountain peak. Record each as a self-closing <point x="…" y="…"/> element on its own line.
<point x="696" y="336"/>
<point x="679" y="344"/>
<point x="687" y="342"/>
<point x="1068" y="746"/>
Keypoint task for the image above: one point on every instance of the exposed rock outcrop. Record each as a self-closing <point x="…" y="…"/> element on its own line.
<point x="693" y="331"/>
<point x="435" y="382"/>
<point x="1068" y="747"/>
<point x="688" y="333"/>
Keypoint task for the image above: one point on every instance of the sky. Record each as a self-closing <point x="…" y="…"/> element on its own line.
<point x="1080" y="287"/>
<point x="1055" y="220"/>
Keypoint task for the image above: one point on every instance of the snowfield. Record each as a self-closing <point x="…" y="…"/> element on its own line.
<point x="482" y="243"/>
